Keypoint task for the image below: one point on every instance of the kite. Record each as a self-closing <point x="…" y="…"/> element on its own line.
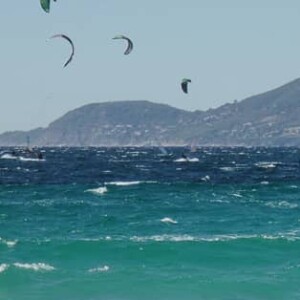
<point x="45" y="4"/>
<point x="130" y="44"/>
<point x="184" y="84"/>
<point x="71" y="43"/>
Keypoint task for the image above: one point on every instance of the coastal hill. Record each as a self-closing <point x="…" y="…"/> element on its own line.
<point x="268" y="119"/>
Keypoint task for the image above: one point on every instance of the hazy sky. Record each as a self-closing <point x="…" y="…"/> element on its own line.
<point x="230" y="49"/>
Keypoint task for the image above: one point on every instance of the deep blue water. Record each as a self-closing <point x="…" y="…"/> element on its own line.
<point x="132" y="223"/>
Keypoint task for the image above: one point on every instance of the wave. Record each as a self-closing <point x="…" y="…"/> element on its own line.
<point x="9" y="244"/>
<point x="192" y="159"/>
<point x="173" y="238"/>
<point x="8" y="156"/>
<point x="34" y="266"/>
<point x="289" y="236"/>
<point x="21" y="158"/>
<point x="99" y="269"/>
<point x="236" y="195"/>
<point x="216" y="238"/>
<point x="281" y="204"/>
<point x="266" y="164"/>
<point x="3" y="267"/>
<point x="206" y="178"/>
<point x="228" y="169"/>
<point x="264" y="182"/>
<point x="169" y="221"/>
<point x="127" y="183"/>
<point x="98" y="191"/>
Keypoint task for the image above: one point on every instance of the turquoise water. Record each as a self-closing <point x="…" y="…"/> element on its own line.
<point x="135" y="224"/>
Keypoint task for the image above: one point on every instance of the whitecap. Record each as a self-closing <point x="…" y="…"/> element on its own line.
<point x="214" y="238"/>
<point x="164" y="238"/>
<point x="188" y="159"/>
<point x="123" y="183"/>
<point x="21" y="158"/>
<point x="98" y="191"/>
<point x="237" y="195"/>
<point x="8" y="156"/>
<point x="293" y="186"/>
<point x="266" y="165"/>
<point x="281" y="204"/>
<point x="9" y="244"/>
<point x="193" y="159"/>
<point x="34" y="266"/>
<point x="127" y="183"/>
<point x="264" y="182"/>
<point x="205" y="178"/>
<point x="227" y="169"/>
<point x="168" y="221"/>
<point x="99" y="269"/>
<point x="3" y="267"/>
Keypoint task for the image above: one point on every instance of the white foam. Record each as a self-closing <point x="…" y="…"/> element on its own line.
<point x="227" y="169"/>
<point x="205" y="178"/>
<point x="99" y="269"/>
<point x="181" y="160"/>
<point x="264" y="182"/>
<point x="266" y="165"/>
<point x="281" y="204"/>
<point x="164" y="238"/>
<point x="237" y="195"/>
<point x="214" y="238"/>
<point x="8" y="156"/>
<point x="21" y="158"/>
<point x="293" y="186"/>
<point x="34" y="266"/>
<point x="123" y="183"/>
<point x="98" y="191"/>
<point x="168" y="220"/>
<point x="177" y="238"/>
<point x="9" y="244"/>
<point x="188" y="159"/>
<point x="3" y="267"/>
<point x="127" y="183"/>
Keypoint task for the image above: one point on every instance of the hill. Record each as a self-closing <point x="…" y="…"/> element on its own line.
<point x="268" y="119"/>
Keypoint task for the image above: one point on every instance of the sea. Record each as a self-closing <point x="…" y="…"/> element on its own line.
<point x="150" y="223"/>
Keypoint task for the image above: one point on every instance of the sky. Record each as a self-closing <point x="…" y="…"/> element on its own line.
<point x="230" y="50"/>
